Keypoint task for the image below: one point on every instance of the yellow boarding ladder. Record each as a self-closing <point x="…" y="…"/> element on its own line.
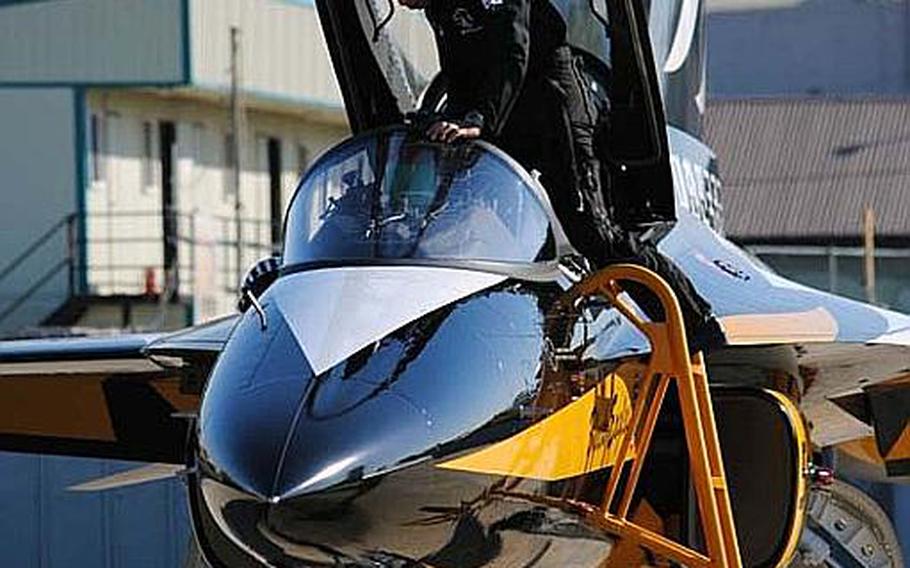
<point x="669" y="361"/>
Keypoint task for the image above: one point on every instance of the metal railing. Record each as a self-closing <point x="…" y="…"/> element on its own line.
<point x="65" y="228"/>
<point x="135" y="253"/>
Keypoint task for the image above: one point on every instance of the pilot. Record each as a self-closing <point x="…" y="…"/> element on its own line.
<point x="512" y="79"/>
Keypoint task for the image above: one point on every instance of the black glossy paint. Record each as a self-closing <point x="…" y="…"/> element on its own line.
<point x="274" y="430"/>
<point x="303" y="470"/>
<point x="251" y="400"/>
<point x="417" y="514"/>
<point x="341" y="468"/>
<point x="293" y="453"/>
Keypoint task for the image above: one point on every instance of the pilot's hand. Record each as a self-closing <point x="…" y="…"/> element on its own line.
<point x="414" y="4"/>
<point x="448" y="132"/>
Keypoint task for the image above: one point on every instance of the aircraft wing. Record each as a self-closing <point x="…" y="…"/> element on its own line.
<point x="853" y="357"/>
<point x="121" y="397"/>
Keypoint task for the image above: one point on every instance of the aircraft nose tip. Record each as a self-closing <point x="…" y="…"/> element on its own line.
<point x="346" y="432"/>
<point x="274" y="430"/>
<point x="250" y="404"/>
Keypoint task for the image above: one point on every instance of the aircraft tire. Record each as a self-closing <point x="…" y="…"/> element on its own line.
<point x="843" y="508"/>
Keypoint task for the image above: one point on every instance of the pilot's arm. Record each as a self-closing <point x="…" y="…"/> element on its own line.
<point x="484" y="51"/>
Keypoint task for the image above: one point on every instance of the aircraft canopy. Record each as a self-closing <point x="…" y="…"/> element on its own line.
<point x="387" y="196"/>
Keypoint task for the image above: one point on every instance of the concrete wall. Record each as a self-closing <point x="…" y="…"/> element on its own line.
<point x="284" y="56"/>
<point x="123" y="207"/>
<point x="93" y="41"/>
<point x="796" y="47"/>
<point x="120" y="205"/>
<point x="38" y="188"/>
<point x="282" y="50"/>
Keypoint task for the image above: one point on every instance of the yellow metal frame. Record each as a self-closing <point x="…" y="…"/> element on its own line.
<point x="669" y="361"/>
<point x="803" y="450"/>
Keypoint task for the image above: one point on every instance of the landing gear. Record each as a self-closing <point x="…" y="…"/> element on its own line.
<point x="847" y="528"/>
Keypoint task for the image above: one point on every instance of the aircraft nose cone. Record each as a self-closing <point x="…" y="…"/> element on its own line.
<point x="309" y="405"/>
<point x="251" y="402"/>
<point x="346" y="430"/>
<point x="273" y="429"/>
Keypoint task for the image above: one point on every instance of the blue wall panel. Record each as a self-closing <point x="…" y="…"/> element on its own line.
<point x="43" y="525"/>
<point x="20" y="527"/>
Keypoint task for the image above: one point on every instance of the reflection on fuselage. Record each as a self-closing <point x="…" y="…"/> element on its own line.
<point x="359" y="480"/>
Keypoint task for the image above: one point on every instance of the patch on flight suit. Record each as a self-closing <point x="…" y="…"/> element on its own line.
<point x="465" y="22"/>
<point x="468" y="21"/>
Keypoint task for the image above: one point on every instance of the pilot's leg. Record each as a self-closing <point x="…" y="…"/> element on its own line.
<point x="550" y="130"/>
<point x="582" y="119"/>
<point x="538" y="135"/>
<point x="702" y="330"/>
<point x="593" y="229"/>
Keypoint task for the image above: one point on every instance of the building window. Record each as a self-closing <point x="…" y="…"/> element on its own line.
<point x="197" y="142"/>
<point x="148" y="156"/>
<point x="99" y="149"/>
<point x="230" y="159"/>
<point x="303" y="159"/>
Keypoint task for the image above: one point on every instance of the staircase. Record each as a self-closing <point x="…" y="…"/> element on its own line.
<point x="120" y="311"/>
<point x="44" y="290"/>
<point x="41" y="277"/>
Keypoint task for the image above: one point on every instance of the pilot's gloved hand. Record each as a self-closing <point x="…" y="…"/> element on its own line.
<point x="448" y="132"/>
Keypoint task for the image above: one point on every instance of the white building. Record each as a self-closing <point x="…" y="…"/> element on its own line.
<point x="116" y="151"/>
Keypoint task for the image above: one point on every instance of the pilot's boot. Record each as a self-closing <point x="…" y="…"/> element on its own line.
<point x="702" y="329"/>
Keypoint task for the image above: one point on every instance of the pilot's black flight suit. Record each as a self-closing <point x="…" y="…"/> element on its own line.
<point x="510" y="71"/>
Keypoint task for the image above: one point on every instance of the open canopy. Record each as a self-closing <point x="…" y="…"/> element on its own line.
<point x="385" y="61"/>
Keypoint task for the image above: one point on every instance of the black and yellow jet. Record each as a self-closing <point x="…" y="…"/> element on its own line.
<point x="434" y="380"/>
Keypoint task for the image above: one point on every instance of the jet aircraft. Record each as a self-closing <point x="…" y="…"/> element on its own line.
<point x="433" y="379"/>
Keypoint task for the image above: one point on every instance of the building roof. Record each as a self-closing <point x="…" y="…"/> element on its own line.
<point x="805" y="168"/>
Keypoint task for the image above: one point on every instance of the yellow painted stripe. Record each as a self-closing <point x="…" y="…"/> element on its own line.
<point x="582" y="437"/>
<point x="169" y="389"/>
<point x="813" y="326"/>
<point x="863" y="449"/>
<point x="901" y="448"/>
<point x="72" y="406"/>
<point x="866" y="449"/>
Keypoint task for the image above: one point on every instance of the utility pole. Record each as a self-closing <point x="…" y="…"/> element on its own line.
<point x="237" y="143"/>
<point x="869" y="252"/>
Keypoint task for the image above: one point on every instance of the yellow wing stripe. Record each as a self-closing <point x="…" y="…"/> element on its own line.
<point x="582" y="437"/>
<point x="813" y="326"/>
<point x="900" y="450"/>
<point x="69" y="406"/>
